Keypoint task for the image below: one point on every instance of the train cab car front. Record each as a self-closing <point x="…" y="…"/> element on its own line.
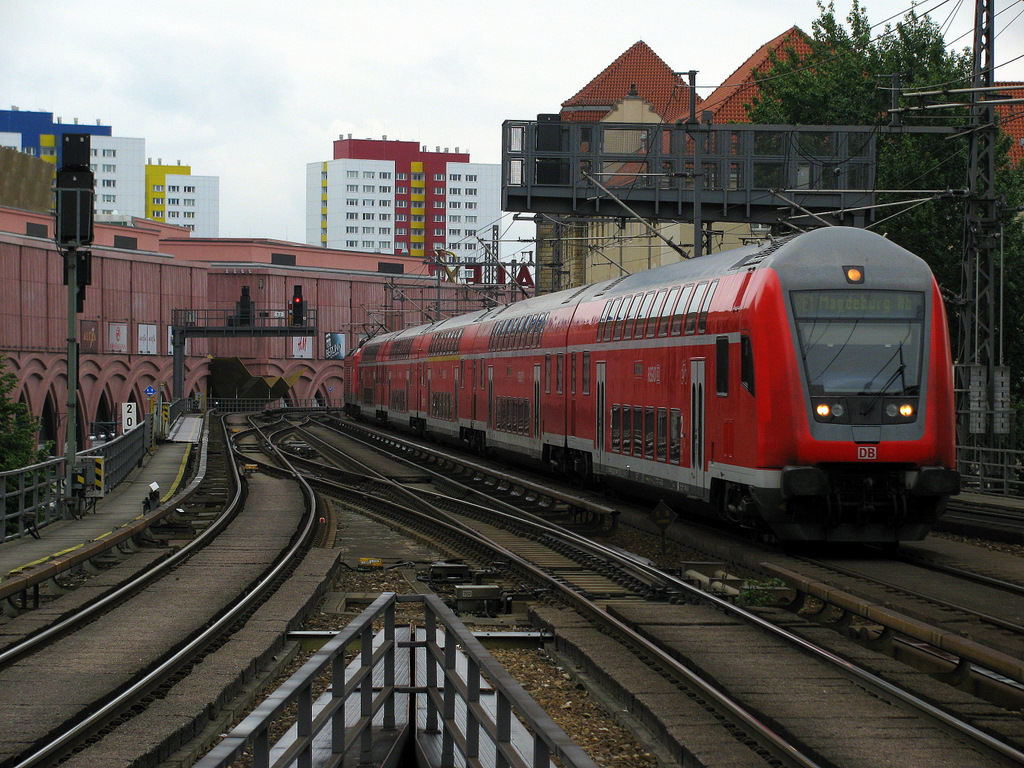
<point x="875" y="459"/>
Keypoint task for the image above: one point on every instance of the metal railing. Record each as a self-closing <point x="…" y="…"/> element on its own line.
<point x="370" y="702"/>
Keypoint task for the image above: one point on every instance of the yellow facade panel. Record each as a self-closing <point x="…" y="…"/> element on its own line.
<point x="47" y="140"/>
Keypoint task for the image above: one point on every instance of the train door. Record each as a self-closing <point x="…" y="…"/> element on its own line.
<point x="697" y="437"/>
<point x="490" y="397"/>
<point x="472" y="393"/>
<point x="536" y="400"/>
<point x="599" y="405"/>
<point x="455" y="395"/>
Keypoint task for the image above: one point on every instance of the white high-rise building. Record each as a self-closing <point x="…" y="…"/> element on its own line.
<point x="119" y="168"/>
<point x="395" y="197"/>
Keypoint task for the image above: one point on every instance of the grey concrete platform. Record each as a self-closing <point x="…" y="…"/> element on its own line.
<point x="166" y="467"/>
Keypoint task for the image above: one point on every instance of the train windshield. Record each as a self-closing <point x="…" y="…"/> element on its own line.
<point x="860" y="342"/>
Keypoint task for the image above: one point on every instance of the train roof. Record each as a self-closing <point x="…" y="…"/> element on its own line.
<point x="799" y="253"/>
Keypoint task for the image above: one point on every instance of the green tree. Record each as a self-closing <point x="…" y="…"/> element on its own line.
<point x="19" y="432"/>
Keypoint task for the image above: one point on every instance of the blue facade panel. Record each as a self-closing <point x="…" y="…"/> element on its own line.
<point x="32" y="125"/>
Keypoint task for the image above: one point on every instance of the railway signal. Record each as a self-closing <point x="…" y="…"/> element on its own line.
<point x="298" y="311"/>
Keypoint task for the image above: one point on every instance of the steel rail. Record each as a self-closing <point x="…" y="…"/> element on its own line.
<point x="255" y="593"/>
<point x="878" y="684"/>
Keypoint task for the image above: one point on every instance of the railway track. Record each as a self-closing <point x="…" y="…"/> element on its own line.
<point x="66" y="688"/>
<point x="781" y="738"/>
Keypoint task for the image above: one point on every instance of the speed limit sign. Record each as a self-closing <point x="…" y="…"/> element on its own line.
<point x="129" y="416"/>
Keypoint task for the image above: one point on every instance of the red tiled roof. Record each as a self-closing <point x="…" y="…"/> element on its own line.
<point x="727" y="101"/>
<point x="639" y="69"/>
<point x="1011" y="119"/>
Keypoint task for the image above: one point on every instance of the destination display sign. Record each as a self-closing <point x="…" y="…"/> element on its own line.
<point x="852" y="304"/>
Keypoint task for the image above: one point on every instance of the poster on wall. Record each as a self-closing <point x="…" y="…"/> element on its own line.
<point x="147" y="339"/>
<point x="302" y="346"/>
<point x="334" y="346"/>
<point x="117" y="337"/>
<point x="89" y="340"/>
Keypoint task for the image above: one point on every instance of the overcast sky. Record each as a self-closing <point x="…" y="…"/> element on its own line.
<point x="253" y="91"/>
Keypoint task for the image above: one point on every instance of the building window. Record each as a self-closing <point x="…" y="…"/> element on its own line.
<point x="384" y="231"/>
<point x="108" y="168"/>
<point x="351" y="201"/>
<point x="384" y="190"/>
<point x="438" y="233"/>
<point x="401" y="217"/>
<point x="471" y="219"/>
<point x="470" y="177"/>
<point x="454" y="232"/>
<point x="351" y="215"/>
<point x="455" y="177"/>
<point x="190" y="201"/>
<point x="172" y="215"/>
<point x="351" y="230"/>
<point x="401" y="231"/>
<point x="455" y="191"/>
<point x="367" y="243"/>
<point x="439" y="203"/>
<point x="369" y="203"/>
<point x="352" y="174"/>
<point x="455" y="219"/>
<point x="439" y="219"/>
<point x="189" y="214"/>
<point x="351" y="243"/>
<point x="471" y="191"/>
<point x="109" y="182"/>
<point x="401" y="176"/>
<point x="109" y="198"/>
<point x="369" y="175"/>
<point x="188" y="189"/>
<point x="385" y="174"/>
<point x="158" y="201"/>
<point x="384" y="216"/>
<point x="369" y="188"/>
<point x="455" y="205"/>
<point x="110" y="153"/>
<point x="417" y="218"/>
<point x="368" y="230"/>
<point x="174" y="189"/>
<point x="471" y="206"/>
<point x="369" y="216"/>
<point x="401" y="190"/>
<point x="158" y="187"/>
<point x="173" y="201"/>
<point x="438" y="177"/>
<point x="438" y="190"/>
<point x="417" y="177"/>
<point x="385" y="203"/>
<point x="352" y="188"/>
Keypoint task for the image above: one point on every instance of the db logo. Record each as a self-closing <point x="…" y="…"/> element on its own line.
<point x="868" y="452"/>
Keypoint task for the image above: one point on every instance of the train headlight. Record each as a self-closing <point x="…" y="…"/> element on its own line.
<point x="838" y="410"/>
<point x="906" y="410"/>
<point x="890" y="410"/>
<point x="823" y="410"/>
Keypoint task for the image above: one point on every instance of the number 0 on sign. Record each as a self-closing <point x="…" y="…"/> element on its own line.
<point x="129" y="416"/>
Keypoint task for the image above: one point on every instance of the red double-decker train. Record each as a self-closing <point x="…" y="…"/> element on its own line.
<point x="803" y="387"/>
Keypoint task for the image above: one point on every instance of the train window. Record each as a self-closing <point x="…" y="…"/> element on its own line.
<point x="662" y="433"/>
<point x="746" y="364"/>
<point x="604" y="318"/>
<point x="641" y="317"/>
<point x="624" y="312"/>
<point x="722" y="365"/>
<point x="675" y="435"/>
<point x="691" y="314"/>
<point x="705" y="306"/>
<point x="547" y="374"/>
<point x="627" y="429"/>
<point x="586" y="373"/>
<point x="680" y="312"/>
<point x="655" y="313"/>
<point x="634" y="312"/>
<point x="559" y="372"/>
<point x="638" y="430"/>
<point x="616" y="426"/>
<point x="665" y="321"/>
<point x="572" y="373"/>
<point x="649" y="432"/>
<point x="609" y="325"/>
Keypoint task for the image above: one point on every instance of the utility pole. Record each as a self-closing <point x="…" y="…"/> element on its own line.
<point x="74" y="219"/>
<point x="978" y="354"/>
